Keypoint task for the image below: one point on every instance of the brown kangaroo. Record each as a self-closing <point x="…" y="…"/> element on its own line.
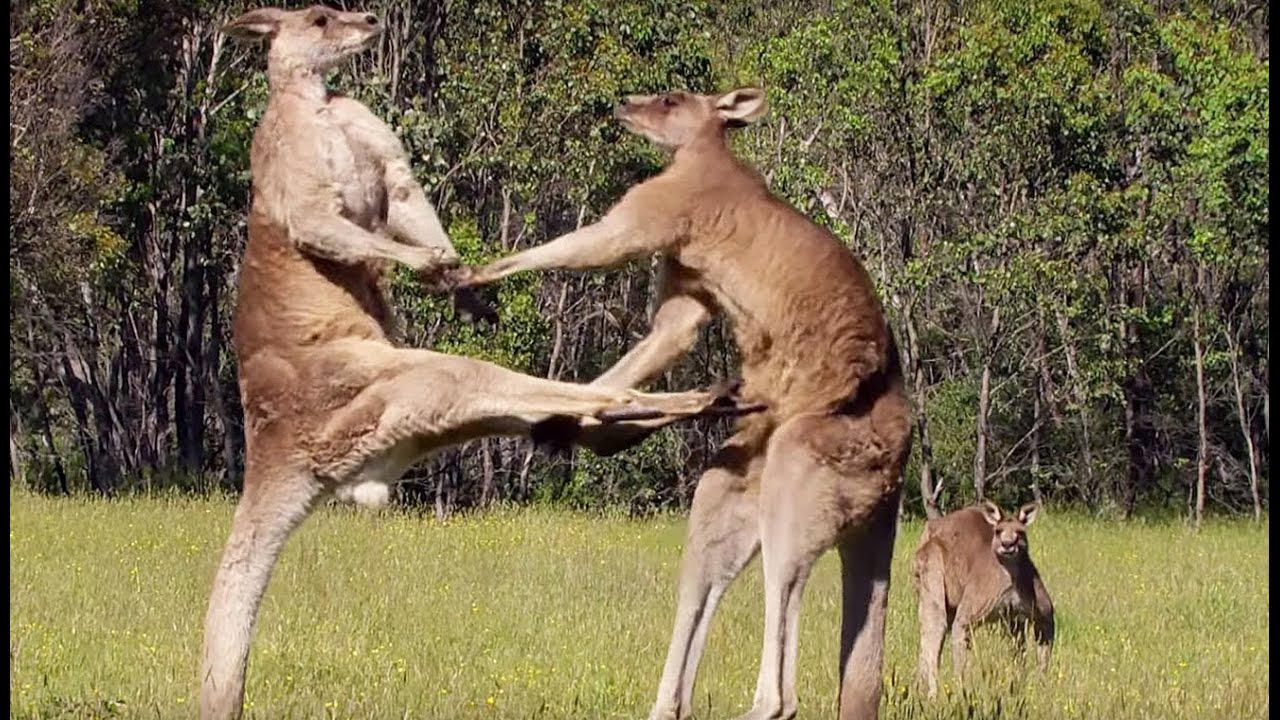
<point x="823" y="465"/>
<point x="331" y="405"/>
<point x="972" y="567"/>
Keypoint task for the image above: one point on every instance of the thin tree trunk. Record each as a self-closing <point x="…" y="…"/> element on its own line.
<point x="1041" y="397"/>
<point x="557" y="345"/>
<point x="928" y="491"/>
<point x="1266" y="398"/>
<point x="984" y="409"/>
<point x="1202" y="454"/>
<point x="17" y="458"/>
<point x="1266" y="414"/>
<point x="156" y="364"/>
<point x="980" y="449"/>
<point x="43" y="418"/>
<point x="79" y="407"/>
<point x="46" y="436"/>
<point x="225" y="394"/>
<point x="1139" y="438"/>
<point x="1037" y="413"/>
<point x="1086" y="449"/>
<point x="442" y="501"/>
<point x="486" y="469"/>
<point x="1245" y="430"/>
<point x="189" y="387"/>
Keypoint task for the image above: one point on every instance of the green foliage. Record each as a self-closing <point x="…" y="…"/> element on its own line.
<point x="522" y="328"/>
<point x="643" y="477"/>
<point x="528" y="90"/>
<point x="1095" y="172"/>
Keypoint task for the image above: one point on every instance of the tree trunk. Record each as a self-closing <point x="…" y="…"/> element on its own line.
<point x="1139" y="435"/>
<point x="928" y="491"/>
<point x="1139" y="397"/>
<point x="17" y="459"/>
<point x="441" y="501"/>
<point x="43" y="418"/>
<point x="1041" y="403"/>
<point x="1245" y="428"/>
<point x="486" y="470"/>
<point x="1266" y="398"/>
<point x="1037" y="418"/>
<point x="96" y="475"/>
<point x="980" y="449"/>
<point x="1202" y="453"/>
<point x="189" y="388"/>
<point x="159" y="364"/>
<point x="1086" y="445"/>
<point x="224" y="392"/>
<point x="984" y="408"/>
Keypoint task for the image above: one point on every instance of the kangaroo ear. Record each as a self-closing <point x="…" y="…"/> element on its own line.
<point x="742" y="106"/>
<point x="255" y="24"/>
<point x="1027" y="513"/>
<point x="991" y="512"/>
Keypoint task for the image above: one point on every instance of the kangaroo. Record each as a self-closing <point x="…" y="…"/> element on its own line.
<point x="972" y="567"/>
<point x="331" y="406"/>
<point x="822" y="466"/>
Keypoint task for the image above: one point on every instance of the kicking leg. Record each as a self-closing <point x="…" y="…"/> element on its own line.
<point x="431" y="400"/>
<point x="484" y="390"/>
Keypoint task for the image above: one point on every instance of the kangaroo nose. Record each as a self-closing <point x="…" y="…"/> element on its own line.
<point x="371" y="19"/>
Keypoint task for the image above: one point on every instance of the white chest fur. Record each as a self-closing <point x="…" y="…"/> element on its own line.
<point x="355" y="173"/>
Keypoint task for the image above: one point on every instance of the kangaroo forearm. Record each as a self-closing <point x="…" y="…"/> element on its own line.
<point x="342" y="241"/>
<point x="675" y="331"/>
<point x="602" y="245"/>
<point x="410" y="215"/>
<point x="648" y="359"/>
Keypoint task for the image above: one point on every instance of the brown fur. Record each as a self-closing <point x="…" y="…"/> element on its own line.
<point x="331" y="405"/>
<point x="973" y="567"/>
<point x="823" y="465"/>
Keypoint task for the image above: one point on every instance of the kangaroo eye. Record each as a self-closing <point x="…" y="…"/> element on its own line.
<point x="322" y="21"/>
<point x="669" y="101"/>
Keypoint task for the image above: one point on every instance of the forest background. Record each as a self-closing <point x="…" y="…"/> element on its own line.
<point x="1063" y="204"/>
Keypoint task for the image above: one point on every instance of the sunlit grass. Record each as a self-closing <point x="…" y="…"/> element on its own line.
<point x="535" y="613"/>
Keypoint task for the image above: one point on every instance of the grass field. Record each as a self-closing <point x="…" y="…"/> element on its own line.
<point x="526" y="614"/>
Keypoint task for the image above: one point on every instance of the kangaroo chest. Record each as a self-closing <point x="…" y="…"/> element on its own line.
<point x="356" y="173"/>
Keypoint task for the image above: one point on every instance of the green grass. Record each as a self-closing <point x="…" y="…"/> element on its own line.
<point x="527" y="614"/>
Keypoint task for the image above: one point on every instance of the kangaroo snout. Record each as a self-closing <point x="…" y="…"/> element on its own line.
<point x="630" y="104"/>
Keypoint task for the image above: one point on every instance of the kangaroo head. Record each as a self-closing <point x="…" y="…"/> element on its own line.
<point x="674" y="119"/>
<point x="312" y="40"/>
<point x="1009" y="533"/>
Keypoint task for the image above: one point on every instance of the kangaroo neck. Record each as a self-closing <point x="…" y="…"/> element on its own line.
<point x="283" y="79"/>
<point x="708" y="143"/>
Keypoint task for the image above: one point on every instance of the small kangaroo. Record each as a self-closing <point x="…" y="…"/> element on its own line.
<point x="822" y="466"/>
<point x="331" y="406"/>
<point x="973" y="566"/>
